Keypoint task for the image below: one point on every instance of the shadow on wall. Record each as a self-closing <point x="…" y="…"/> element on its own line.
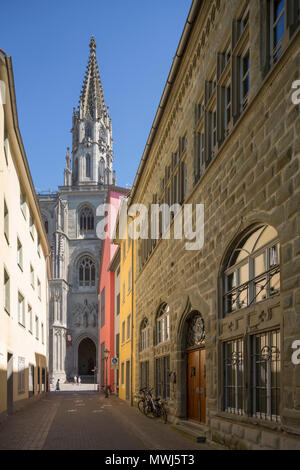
<point x="20" y="385"/>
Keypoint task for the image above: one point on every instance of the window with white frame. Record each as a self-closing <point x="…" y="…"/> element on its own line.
<point x="21" y="309"/>
<point x="39" y="288"/>
<point x="163" y="324"/>
<point x="253" y="271"/>
<point x="42" y="333"/>
<point x="145" y="335"/>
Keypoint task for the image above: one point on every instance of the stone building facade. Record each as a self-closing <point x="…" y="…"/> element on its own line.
<point x="221" y="321"/>
<point x="71" y="218"/>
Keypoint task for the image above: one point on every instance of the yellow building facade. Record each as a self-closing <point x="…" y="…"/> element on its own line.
<point x="127" y="320"/>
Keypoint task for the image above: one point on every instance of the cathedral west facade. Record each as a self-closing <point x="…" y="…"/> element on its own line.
<point x="70" y="218"/>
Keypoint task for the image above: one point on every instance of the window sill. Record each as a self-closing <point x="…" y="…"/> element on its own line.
<point x="21" y="267"/>
<point x="250" y="307"/>
<point x="7" y="311"/>
<point x="249" y="420"/>
<point x="21" y="324"/>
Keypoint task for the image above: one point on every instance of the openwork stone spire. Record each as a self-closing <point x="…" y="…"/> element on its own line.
<point x="91" y="103"/>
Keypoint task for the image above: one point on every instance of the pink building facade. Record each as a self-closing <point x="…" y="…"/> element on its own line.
<point x="107" y="296"/>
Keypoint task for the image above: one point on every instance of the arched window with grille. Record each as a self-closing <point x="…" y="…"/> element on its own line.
<point x="86" y="219"/>
<point x="87" y="272"/>
<point x="252" y="273"/>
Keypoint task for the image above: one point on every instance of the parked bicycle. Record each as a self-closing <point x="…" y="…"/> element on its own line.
<point x="152" y="407"/>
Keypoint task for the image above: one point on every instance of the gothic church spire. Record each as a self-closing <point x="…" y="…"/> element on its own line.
<point x="91" y="103"/>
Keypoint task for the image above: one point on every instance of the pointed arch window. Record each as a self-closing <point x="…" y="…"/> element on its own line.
<point x="88" y="166"/>
<point x="87" y="272"/>
<point x="88" y="131"/>
<point x="163" y="324"/>
<point x="145" y="335"/>
<point x="252" y="274"/>
<point x="86" y="219"/>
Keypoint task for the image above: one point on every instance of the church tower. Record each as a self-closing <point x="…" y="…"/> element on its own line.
<point x="71" y="219"/>
<point x="92" y="142"/>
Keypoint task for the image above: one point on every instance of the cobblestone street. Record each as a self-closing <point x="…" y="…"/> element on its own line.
<point x="88" y="421"/>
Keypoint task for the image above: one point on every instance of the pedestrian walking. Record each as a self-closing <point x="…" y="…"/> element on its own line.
<point x="79" y="380"/>
<point x="57" y="385"/>
<point x="75" y="379"/>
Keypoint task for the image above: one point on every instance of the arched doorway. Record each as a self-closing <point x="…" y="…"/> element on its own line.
<point x="196" y="368"/>
<point x="86" y="357"/>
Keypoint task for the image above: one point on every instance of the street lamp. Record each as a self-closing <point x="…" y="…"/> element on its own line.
<point x="106" y="356"/>
<point x="94" y="370"/>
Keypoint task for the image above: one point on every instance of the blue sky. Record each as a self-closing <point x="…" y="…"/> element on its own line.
<point x="49" y="45"/>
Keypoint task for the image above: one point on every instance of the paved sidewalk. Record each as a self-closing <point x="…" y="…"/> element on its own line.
<point x="86" y="420"/>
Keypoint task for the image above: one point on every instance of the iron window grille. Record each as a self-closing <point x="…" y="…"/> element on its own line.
<point x="162" y="382"/>
<point x="144" y="367"/>
<point x="265" y="373"/>
<point x="234" y="377"/>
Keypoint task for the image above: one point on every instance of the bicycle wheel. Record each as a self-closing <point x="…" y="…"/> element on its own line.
<point x="149" y="412"/>
<point x="142" y="406"/>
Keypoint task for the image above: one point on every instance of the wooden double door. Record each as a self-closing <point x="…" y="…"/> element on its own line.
<point x="196" y="383"/>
